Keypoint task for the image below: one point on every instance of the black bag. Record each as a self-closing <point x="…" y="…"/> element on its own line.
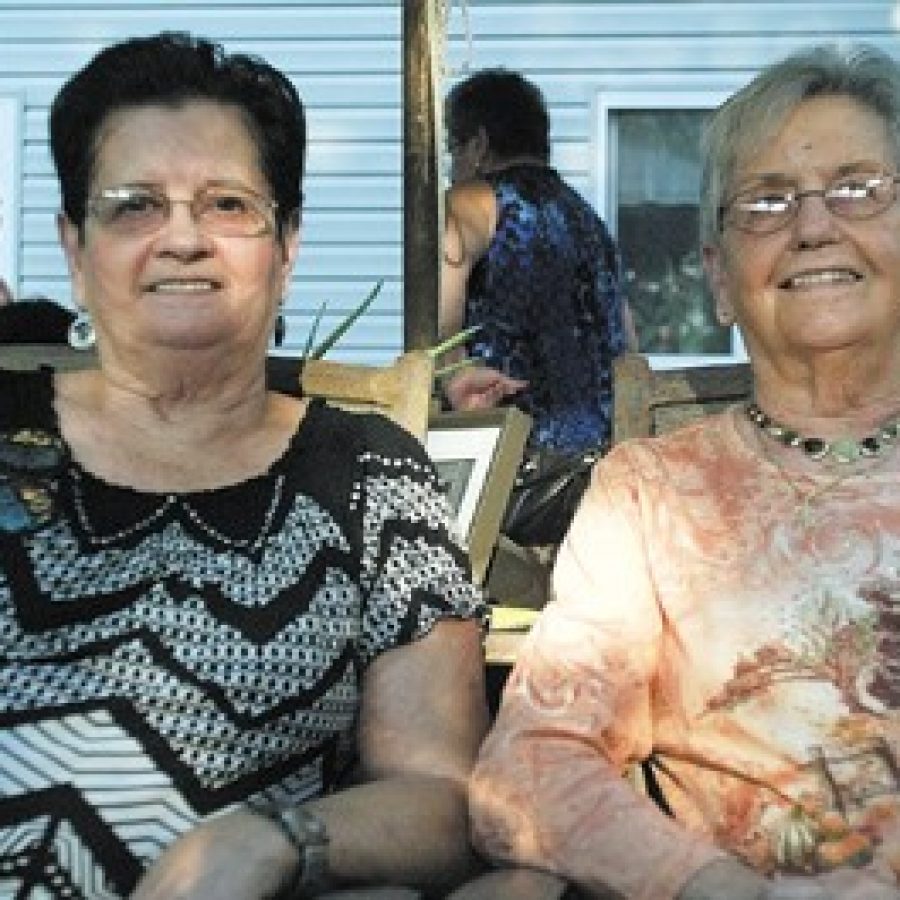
<point x="548" y="487"/>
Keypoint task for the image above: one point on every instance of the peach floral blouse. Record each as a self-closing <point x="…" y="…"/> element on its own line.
<point x="743" y="627"/>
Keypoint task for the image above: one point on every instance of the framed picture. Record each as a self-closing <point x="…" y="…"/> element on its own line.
<point x="476" y="455"/>
<point x="10" y="180"/>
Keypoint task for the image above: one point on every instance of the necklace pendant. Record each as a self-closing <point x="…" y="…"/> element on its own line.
<point x="845" y="450"/>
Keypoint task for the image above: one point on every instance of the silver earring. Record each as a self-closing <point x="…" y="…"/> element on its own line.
<point x="280" y="331"/>
<point x="81" y="331"/>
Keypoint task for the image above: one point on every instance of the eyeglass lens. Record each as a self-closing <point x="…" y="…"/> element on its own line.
<point x="223" y="210"/>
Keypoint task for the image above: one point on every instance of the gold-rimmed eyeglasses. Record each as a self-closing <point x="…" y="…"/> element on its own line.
<point x="764" y="208"/>
<point x="226" y="210"/>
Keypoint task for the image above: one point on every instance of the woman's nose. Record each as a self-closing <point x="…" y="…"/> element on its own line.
<point x="182" y="230"/>
<point x="814" y="223"/>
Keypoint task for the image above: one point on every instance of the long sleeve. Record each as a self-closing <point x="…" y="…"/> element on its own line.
<point x="549" y="789"/>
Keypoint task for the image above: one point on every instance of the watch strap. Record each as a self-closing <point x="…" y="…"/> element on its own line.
<point x="309" y="836"/>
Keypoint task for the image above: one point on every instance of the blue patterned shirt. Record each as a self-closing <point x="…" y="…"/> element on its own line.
<point x="548" y="298"/>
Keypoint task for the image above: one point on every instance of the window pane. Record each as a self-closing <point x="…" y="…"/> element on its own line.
<point x="657" y="186"/>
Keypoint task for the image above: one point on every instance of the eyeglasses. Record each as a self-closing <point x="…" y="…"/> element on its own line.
<point x="225" y="210"/>
<point x="762" y="209"/>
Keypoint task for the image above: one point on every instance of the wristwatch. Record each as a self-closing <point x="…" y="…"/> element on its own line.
<point x="309" y="836"/>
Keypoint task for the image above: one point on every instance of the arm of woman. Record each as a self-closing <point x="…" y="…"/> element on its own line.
<point x="548" y="790"/>
<point x="470" y="221"/>
<point x="422" y="711"/>
<point x="422" y="719"/>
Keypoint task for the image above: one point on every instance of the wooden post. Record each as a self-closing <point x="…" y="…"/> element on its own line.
<point x="422" y="200"/>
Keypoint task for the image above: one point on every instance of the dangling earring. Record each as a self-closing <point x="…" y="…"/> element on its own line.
<point x="280" y="331"/>
<point x="81" y="331"/>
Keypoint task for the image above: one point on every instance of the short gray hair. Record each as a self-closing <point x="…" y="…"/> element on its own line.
<point x="756" y="112"/>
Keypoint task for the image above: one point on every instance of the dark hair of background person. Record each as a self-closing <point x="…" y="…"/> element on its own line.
<point x="507" y="106"/>
<point x="173" y="68"/>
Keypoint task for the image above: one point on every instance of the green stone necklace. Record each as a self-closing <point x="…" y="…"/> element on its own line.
<point x="843" y="450"/>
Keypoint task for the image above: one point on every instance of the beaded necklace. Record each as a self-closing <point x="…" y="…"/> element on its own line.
<point x="167" y="503"/>
<point x="842" y="450"/>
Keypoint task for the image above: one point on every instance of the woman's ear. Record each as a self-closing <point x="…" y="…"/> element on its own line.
<point x="290" y="240"/>
<point x="290" y="245"/>
<point x="714" y="265"/>
<point x="481" y="148"/>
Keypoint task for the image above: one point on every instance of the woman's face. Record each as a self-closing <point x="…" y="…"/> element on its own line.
<point x="819" y="283"/>
<point x="178" y="286"/>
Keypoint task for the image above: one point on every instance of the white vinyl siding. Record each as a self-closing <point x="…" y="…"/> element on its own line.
<point x="346" y="58"/>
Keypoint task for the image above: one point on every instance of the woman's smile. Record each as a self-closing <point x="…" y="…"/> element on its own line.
<point x="816" y="278"/>
<point x="183" y="286"/>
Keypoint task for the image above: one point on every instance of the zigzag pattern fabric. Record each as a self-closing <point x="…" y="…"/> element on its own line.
<point x="163" y="658"/>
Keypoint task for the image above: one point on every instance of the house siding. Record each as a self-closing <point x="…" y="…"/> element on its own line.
<point x="346" y="58"/>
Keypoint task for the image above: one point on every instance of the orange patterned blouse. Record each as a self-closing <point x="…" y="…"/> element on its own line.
<point x="742" y="626"/>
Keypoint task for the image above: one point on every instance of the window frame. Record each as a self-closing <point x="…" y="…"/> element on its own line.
<point x="612" y="100"/>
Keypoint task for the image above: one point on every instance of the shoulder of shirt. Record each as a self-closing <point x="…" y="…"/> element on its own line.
<point x="692" y="440"/>
<point x="365" y="431"/>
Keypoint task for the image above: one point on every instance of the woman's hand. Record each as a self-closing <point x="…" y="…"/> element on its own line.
<point x="481" y="387"/>
<point x="732" y="879"/>
<point x="235" y="856"/>
<point x="843" y="884"/>
<point x="725" y="877"/>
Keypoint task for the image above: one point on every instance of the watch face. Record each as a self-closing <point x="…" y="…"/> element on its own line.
<point x="314" y="877"/>
<point x="312" y="836"/>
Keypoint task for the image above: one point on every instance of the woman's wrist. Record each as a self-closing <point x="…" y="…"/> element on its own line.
<point x="308" y="836"/>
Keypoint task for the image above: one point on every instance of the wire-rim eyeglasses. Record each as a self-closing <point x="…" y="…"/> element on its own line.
<point x="765" y="208"/>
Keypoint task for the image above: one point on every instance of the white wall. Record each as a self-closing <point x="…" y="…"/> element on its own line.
<point x="345" y="58"/>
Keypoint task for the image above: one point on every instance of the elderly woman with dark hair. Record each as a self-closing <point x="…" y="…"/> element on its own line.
<point x="215" y="600"/>
<point x="726" y="600"/>
<point x="530" y="264"/>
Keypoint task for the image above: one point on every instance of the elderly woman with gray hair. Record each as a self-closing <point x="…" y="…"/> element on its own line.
<point x="727" y="599"/>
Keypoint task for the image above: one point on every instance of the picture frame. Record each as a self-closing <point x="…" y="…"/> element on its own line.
<point x="477" y="454"/>
<point x="11" y="105"/>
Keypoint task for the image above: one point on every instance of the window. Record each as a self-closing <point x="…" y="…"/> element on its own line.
<point x="10" y="168"/>
<point x="649" y="180"/>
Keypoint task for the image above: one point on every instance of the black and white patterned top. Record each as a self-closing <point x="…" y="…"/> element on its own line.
<point x="163" y="657"/>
